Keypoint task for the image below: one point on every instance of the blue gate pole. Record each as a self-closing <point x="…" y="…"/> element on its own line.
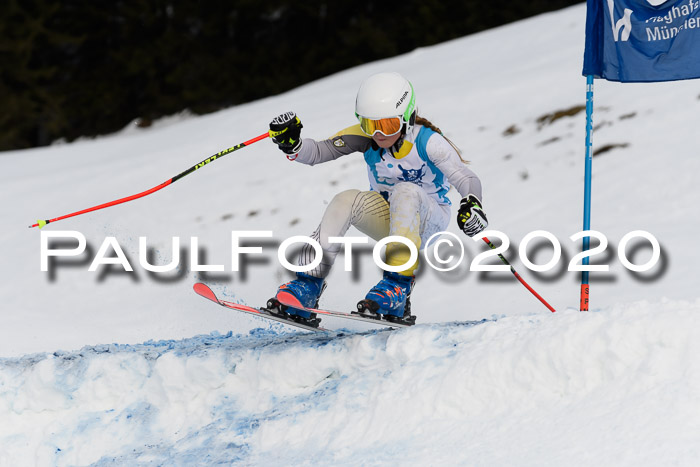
<point x="585" y="289"/>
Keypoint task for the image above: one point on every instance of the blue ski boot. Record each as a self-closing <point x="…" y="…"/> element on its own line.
<point x="390" y="299"/>
<point x="306" y="290"/>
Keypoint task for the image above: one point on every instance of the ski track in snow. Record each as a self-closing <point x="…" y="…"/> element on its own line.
<point x="421" y="395"/>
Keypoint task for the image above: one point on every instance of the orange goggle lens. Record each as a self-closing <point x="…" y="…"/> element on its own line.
<point x="386" y="126"/>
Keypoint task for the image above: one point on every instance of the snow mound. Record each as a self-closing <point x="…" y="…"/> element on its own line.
<point x="619" y="386"/>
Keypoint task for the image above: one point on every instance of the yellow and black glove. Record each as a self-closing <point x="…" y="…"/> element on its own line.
<point x="471" y="218"/>
<point x="285" y="131"/>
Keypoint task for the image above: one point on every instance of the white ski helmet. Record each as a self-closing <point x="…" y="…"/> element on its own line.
<point x="386" y="95"/>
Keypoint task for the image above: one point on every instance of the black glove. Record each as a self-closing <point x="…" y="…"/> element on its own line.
<point x="471" y="218"/>
<point x="285" y="131"/>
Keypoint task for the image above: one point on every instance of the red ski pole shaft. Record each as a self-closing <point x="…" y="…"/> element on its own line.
<point x="208" y="160"/>
<point x="517" y="276"/>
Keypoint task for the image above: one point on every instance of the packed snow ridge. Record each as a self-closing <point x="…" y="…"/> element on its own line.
<point x="602" y="386"/>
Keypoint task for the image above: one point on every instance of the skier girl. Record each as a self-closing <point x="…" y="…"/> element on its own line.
<point x="411" y="166"/>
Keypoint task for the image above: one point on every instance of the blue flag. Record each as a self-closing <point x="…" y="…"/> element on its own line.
<point x="642" y="40"/>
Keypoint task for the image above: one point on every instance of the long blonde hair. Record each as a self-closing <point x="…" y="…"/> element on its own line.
<point x="429" y="124"/>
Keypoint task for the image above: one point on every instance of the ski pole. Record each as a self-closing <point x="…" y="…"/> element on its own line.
<point x="517" y="276"/>
<point x="212" y="158"/>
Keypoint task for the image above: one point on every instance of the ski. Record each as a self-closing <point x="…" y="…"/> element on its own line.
<point x="204" y="291"/>
<point x="290" y="300"/>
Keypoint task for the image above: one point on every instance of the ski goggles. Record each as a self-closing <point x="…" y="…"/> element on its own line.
<point x="386" y="126"/>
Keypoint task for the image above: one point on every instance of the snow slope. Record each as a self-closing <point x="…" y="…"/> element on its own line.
<point x="617" y="386"/>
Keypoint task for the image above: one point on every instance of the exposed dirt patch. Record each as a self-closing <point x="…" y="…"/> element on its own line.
<point x="609" y="147"/>
<point x="511" y="130"/>
<point x="552" y="117"/>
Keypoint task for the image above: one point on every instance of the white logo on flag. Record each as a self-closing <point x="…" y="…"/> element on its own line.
<point x="624" y="23"/>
